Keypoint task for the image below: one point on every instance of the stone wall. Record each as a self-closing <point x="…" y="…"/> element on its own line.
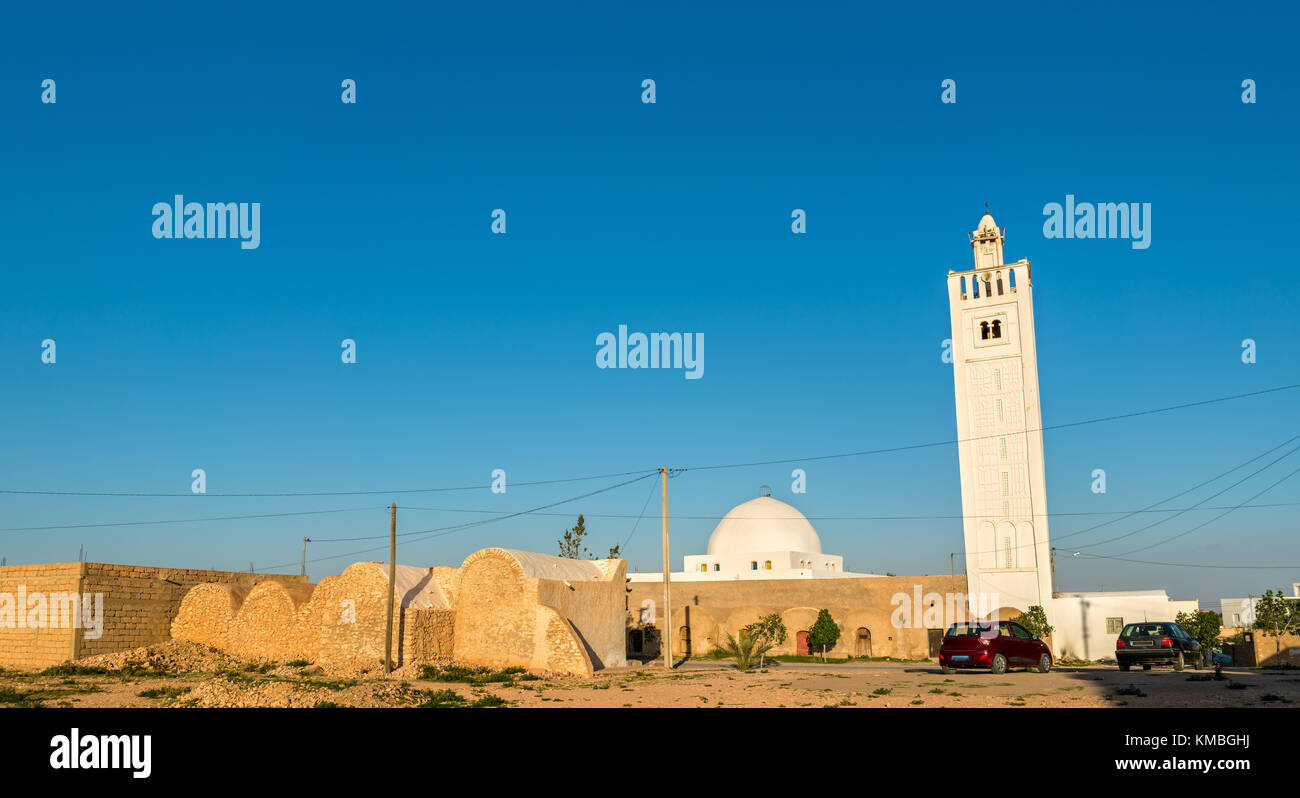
<point x="863" y="608"/>
<point x="206" y="612"/>
<point x="500" y="608"/>
<point x="273" y="624"/>
<point x="428" y="636"/>
<point x="20" y="645"/>
<point x="343" y="620"/>
<point x="1269" y="650"/>
<point x="139" y="604"/>
<point x="543" y="613"/>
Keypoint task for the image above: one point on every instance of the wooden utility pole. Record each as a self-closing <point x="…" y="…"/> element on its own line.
<point x="667" y="636"/>
<point x="392" y="585"/>
<point x="305" y="541"/>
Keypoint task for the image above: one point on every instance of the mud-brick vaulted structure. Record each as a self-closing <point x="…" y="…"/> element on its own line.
<point x="500" y="608"/>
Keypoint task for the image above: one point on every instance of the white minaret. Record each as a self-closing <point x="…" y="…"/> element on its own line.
<point x="999" y="426"/>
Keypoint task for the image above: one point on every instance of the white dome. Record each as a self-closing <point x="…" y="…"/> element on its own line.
<point x="764" y="524"/>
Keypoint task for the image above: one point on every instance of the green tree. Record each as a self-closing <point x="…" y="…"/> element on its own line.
<point x="571" y="544"/>
<point x="614" y="551"/>
<point x="1275" y="616"/>
<point x="1203" y="626"/>
<point x="769" y="629"/>
<point x="1035" y="622"/>
<point x="824" y="632"/>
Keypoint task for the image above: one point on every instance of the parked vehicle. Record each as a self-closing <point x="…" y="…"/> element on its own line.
<point x="1157" y="643"/>
<point x="996" y="645"/>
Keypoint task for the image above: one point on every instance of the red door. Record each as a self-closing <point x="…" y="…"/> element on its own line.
<point x="801" y="644"/>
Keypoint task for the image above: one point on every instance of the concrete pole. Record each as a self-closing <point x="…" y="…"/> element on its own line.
<point x="392" y="585"/>
<point x="667" y="636"/>
<point x="305" y="541"/>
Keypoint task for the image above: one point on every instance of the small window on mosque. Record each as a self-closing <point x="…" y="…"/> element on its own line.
<point x="984" y="331"/>
<point x="997" y="328"/>
<point x="703" y="567"/>
<point x="717" y="567"/>
<point x="767" y="565"/>
<point x="753" y="565"/>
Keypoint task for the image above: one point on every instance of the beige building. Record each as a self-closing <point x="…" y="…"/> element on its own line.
<point x="500" y="608"/>
<point x="765" y="557"/>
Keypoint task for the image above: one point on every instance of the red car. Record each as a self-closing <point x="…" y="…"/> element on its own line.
<point x="996" y="646"/>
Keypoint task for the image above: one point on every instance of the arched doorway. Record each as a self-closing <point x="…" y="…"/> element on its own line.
<point x="801" y="643"/>
<point x="862" y="642"/>
<point x="684" y="641"/>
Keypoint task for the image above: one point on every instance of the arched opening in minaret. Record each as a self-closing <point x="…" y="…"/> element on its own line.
<point x="984" y="331"/>
<point x="997" y="328"/>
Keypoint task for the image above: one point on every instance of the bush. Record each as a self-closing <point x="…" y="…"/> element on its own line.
<point x="746" y="649"/>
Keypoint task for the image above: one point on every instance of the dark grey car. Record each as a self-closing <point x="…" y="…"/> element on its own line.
<point x="1157" y="643"/>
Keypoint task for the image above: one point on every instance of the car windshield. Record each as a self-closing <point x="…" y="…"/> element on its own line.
<point x="1143" y="630"/>
<point x="969" y="630"/>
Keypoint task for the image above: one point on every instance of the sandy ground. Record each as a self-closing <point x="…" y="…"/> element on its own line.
<point x="182" y="675"/>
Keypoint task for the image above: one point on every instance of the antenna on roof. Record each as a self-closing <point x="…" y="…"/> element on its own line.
<point x="764" y="490"/>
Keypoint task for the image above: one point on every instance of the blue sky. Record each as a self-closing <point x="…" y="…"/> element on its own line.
<point x="476" y="351"/>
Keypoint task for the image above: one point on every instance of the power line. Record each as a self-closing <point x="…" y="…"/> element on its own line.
<point x="1215" y="478"/>
<point x="1194" y="565"/>
<point x="182" y="520"/>
<point x="315" y="493"/>
<point x="639" y="516"/>
<point x="1215" y="518"/>
<point x="1206" y="499"/>
<point x="441" y="531"/>
<point x="813" y="458"/>
<point x="882" y="517"/>
<point x="949" y="442"/>
<point x="1151" y="507"/>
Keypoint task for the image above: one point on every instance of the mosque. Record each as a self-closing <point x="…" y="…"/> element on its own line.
<point x="764" y="556"/>
<point x="761" y="539"/>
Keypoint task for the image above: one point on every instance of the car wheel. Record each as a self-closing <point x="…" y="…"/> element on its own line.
<point x="1124" y="666"/>
<point x="1196" y="661"/>
<point x="999" y="664"/>
<point x="1044" y="663"/>
<point x="1178" y="661"/>
<point x="1146" y="667"/>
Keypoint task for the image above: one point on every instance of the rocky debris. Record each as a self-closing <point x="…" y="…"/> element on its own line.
<point x="225" y="693"/>
<point x="239" y="692"/>
<point x="170" y="656"/>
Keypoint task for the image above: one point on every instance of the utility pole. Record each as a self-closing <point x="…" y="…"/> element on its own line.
<point x="667" y="636"/>
<point x="305" y="541"/>
<point x="392" y="585"/>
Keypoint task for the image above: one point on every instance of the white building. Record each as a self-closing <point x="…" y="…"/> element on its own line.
<point x="999" y="425"/>
<point x="762" y="538"/>
<point x="1000" y="457"/>
<point x="1088" y="623"/>
<point x="1239" y="612"/>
